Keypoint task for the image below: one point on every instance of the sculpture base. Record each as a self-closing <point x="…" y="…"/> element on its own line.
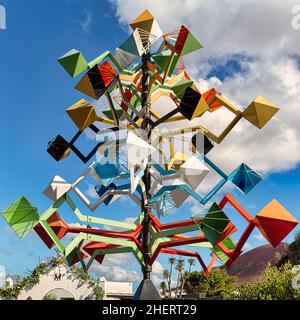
<point x="146" y="291"/>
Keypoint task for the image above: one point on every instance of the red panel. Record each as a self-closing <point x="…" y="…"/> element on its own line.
<point x="183" y="34"/>
<point x="108" y="73"/>
<point x="274" y="229"/>
<point x="58" y="226"/>
<point x="127" y="95"/>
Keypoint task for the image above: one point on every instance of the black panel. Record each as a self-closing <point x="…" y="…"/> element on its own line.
<point x="189" y="103"/>
<point x="58" y="147"/>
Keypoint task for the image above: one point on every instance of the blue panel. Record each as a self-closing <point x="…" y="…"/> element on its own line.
<point x="245" y="178"/>
<point x="107" y="172"/>
<point x="100" y="189"/>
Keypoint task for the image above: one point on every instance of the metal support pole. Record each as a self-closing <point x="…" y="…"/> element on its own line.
<point x="146" y="207"/>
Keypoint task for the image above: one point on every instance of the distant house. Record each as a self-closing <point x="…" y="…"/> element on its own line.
<point x="251" y="265"/>
<point x="64" y="286"/>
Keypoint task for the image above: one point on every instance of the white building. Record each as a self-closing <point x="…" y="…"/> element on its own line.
<point x="64" y="286"/>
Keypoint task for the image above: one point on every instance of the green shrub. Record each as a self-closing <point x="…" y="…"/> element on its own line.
<point x="275" y="284"/>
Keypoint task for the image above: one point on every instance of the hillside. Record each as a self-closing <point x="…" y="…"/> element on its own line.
<point x="250" y="265"/>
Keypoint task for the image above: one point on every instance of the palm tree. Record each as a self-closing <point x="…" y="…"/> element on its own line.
<point x="191" y="262"/>
<point x="172" y="261"/>
<point x="163" y="287"/>
<point x="179" y="268"/>
<point x="166" y="274"/>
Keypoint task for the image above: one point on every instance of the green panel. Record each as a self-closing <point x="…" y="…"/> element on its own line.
<point x="91" y="219"/>
<point x="222" y="256"/>
<point x="102" y="57"/>
<point x="180" y="86"/>
<point x="53" y="236"/>
<point x="109" y="115"/>
<point x="174" y="231"/>
<point x="73" y="62"/>
<point x="164" y="63"/>
<point x="191" y="44"/>
<point x="172" y="65"/>
<point x="21" y="216"/>
<point x="162" y="59"/>
<point x="213" y="224"/>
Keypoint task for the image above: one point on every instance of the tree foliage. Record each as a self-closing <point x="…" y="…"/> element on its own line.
<point x="294" y="252"/>
<point x="218" y="282"/>
<point x="277" y="283"/>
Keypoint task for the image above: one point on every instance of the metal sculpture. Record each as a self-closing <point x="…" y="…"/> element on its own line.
<point x="136" y="155"/>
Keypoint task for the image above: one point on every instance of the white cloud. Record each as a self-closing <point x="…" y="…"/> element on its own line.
<point x="116" y="273"/>
<point x="112" y="268"/>
<point x="91" y="192"/>
<point x="258" y="29"/>
<point x="86" y="21"/>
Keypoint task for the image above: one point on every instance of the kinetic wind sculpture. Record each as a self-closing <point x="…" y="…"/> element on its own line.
<point x="156" y="173"/>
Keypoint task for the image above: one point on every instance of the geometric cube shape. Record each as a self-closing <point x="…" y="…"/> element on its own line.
<point x="22" y="216"/>
<point x="108" y="73"/>
<point x="192" y="104"/>
<point x="58" y="148"/>
<point x="275" y="222"/>
<point x="82" y="113"/>
<point x="166" y="61"/>
<point x="214" y="223"/>
<point x="73" y="62"/>
<point x="190" y="44"/>
<point x="146" y="22"/>
<point x="58" y="226"/>
<point x="97" y="80"/>
<point x="210" y="97"/>
<point x="137" y="149"/>
<point x="179" y="87"/>
<point x="143" y="21"/>
<point x="129" y="49"/>
<point x="260" y="111"/>
<point x="244" y="178"/>
<point x="57" y="188"/>
<point x="182" y="41"/>
<point x="194" y="171"/>
<point x="124" y="59"/>
<point x="106" y="172"/>
<point x="201" y="143"/>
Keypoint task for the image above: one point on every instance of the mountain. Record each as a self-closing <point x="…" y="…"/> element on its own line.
<point x="250" y="266"/>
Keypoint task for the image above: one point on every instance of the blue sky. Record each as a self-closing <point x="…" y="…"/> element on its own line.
<point x="35" y="91"/>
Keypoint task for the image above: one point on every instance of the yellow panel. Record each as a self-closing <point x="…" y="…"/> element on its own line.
<point x="201" y="108"/>
<point x="260" y="112"/>
<point x="85" y="86"/>
<point x="82" y="113"/>
<point x="144" y="25"/>
<point x="177" y="161"/>
<point x="139" y="21"/>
